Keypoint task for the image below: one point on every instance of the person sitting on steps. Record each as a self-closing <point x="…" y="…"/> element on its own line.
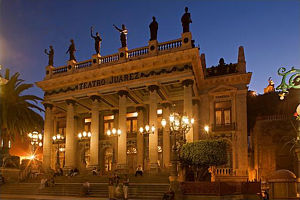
<point x="139" y="171"/>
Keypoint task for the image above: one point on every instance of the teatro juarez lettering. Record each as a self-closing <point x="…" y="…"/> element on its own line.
<point x="111" y="80"/>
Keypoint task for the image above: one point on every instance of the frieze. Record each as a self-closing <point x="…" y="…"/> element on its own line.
<point x="118" y="79"/>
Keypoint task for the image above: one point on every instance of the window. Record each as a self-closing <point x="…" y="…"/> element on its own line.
<point x="108" y="125"/>
<point x="131" y="124"/>
<point x="223" y="113"/>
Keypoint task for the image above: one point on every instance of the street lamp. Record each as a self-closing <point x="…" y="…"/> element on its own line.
<point x="36" y="139"/>
<point x="113" y="132"/>
<point x="178" y="125"/>
<point x="147" y="130"/>
<point x="84" y="138"/>
<point x="59" y="139"/>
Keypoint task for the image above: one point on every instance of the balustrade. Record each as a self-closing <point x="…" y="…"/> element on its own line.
<point x="169" y="45"/>
<point x="224" y="172"/>
<point x="138" y="52"/>
<point x="134" y="53"/>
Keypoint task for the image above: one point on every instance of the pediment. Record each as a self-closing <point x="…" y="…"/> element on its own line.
<point x="222" y="88"/>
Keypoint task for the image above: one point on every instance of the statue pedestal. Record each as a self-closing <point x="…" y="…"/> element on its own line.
<point x="186" y="39"/>
<point x="71" y="64"/>
<point x="96" y="59"/>
<point x="153" y="47"/>
<point x="123" y="53"/>
<point x="49" y="70"/>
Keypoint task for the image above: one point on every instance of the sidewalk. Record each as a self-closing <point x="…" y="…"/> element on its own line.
<point x="45" y="197"/>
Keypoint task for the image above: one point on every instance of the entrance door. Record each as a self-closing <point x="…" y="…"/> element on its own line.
<point x="108" y="158"/>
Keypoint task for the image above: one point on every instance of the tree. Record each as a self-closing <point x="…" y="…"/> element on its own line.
<point x="202" y="154"/>
<point x="17" y="111"/>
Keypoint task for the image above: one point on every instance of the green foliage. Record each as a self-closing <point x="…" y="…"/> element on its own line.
<point x="204" y="153"/>
<point x="17" y="111"/>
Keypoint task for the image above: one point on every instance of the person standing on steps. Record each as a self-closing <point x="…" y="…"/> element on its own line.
<point x="125" y="186"/>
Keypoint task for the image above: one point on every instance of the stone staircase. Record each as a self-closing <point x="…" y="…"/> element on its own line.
<point x="146" y="187"/>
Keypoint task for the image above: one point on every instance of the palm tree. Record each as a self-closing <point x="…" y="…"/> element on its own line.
<point x="17" y="111"/>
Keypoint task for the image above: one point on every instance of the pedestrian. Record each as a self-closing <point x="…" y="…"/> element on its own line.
<point x="125" y="186"/>
<point x="139" y="171"/>
<point x="86" y="188"/>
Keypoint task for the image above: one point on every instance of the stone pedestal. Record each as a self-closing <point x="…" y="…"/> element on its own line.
<point x="123" y="53"/>
<point x="96" y="59"/>
<point x="186" y="40"/>
<point x="71" y="65"/>
<point x="49" y="71"/>
<point x="153" y="47"/>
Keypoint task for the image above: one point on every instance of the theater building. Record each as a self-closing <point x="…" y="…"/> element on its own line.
<point x="133" y="88"/>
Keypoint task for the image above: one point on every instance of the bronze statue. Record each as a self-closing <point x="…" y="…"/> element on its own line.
<point x="50" y="55"/>
<point x="72" y="50"/>
<point x="186" y="20"/>
<point x="98" y="40"/>
<point x="123" y="37"/>
<point x="153" y="29"/>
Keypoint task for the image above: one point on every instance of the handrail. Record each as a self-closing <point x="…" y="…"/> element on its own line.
<point x="83" y="64"/>
<point x="61" y="69"/>
<point x="138" y="52"/>
<point x="109" y="58"/>
<point x="169" y="45"/>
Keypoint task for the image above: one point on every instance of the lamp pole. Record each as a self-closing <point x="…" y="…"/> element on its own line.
<point x="36" y="139"/>
<point x="59" y="139"/>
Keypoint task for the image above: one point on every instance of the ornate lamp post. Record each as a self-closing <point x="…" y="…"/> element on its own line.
<point x="59" y="139"/>
<point x="36" y="139"/>
<point x="113" y="132"/>
<point x="147" y="130"/>
<point x="179" y="126"/>
<point x="84" y="138"/>
<point x="294" y="82"/>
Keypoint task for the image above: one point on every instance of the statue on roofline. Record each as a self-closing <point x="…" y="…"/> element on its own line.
<point x="50" y="55"/>
<point x="71" y="50"/>
<point x="153" y="29"/>
<point x="186" y="20"/>
<point x="123" y="33"/>
<point x="98" y="41"/>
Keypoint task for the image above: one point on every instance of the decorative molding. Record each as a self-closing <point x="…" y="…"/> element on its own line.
<point x="95" y="98"/>
<point x="153" y="88"/>
<point x="70" y="101"/>
<point x="121" y="93"/>
<point x="187" y="82"/>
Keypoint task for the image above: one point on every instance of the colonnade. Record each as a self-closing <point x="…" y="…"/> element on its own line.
<point x="120" y="121"/>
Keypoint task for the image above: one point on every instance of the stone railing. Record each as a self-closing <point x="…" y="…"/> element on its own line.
<point x="224" y="172"/>
<point x="138" y="52"/>
<point x="83" y="64"/>
<point x="59" y="70"/>
<point x="169" y="45"/>
<point x="274" y="117"/>
<point x="163" y="47"/>
<point x="109" y="58"/>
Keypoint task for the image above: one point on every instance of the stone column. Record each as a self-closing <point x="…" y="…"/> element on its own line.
<point x="166" y="136"/>
<point x="188" y="105"/>
<point x="48" y="132"/>
<point x="115" y="139"/>
<point x="140" y="137"/>
<point x="153" y="138"/>
<point x="94" y="145"/>
<point x="70" y="135"/>
<point x="122" y="139"/>
<point x="242" y="151"/>
<point x="196" y="127"/>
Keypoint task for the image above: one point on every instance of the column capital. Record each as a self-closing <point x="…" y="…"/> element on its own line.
<point x="187" y="82"/>
<point x="152" y="88"/>
<point x="48" y="105"/>
<point x="140" y="108"/>
<point x="195" y="101"/>
<point x="115" y="111"/>
<point x="70" y="101"/>
<point x="166" y="104"/>
<point x="95" y="98"/>
<point x="121" y="93"/>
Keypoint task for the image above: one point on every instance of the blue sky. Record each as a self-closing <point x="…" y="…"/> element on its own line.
<point x="268" y="30"/>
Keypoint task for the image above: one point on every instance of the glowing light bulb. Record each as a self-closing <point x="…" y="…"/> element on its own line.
<point x="114" y="131"/>
<point x="163" y="122"/>
<point x="84" y="134"/>
<point x="152" y="129"/>
<point x="172" y="118"/>
<point x="58" y="136"/>
<point x="147" y="128"/>
<point x="79" y="135"/>
<point x="108" y="132"/>
<point x="89" y="134"/>
<point x="54" y="137"/>
<point x="206" y="128"/>
<point x="119" y="131"/>
<point x="141" y="129"/>
<point x="192" y="121"/>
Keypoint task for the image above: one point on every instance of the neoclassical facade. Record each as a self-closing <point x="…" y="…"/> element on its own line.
<point x="132" y="88"/>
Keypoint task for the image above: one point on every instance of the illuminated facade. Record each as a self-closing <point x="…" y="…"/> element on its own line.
<point x="132" y="88"/>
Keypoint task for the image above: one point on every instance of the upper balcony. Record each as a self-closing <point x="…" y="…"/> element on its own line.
<point x="222" y="69"/>
<point x="124" y="55"/>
